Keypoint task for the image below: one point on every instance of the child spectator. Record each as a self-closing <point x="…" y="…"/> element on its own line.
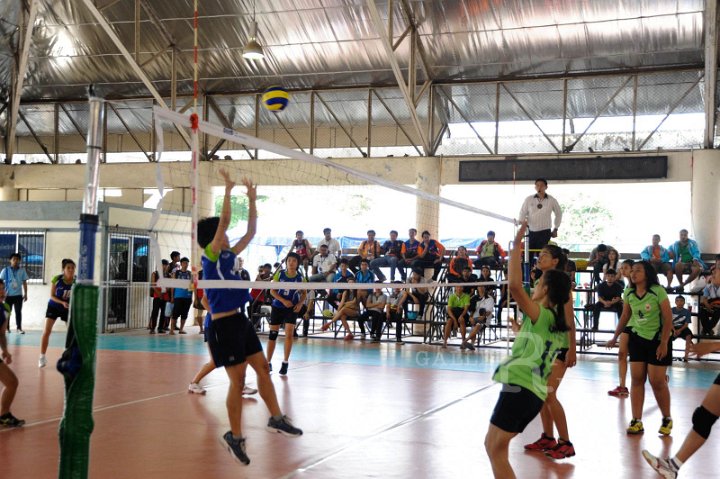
<point x="681" y="324"/>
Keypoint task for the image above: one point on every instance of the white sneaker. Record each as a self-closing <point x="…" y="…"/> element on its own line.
<point x="42" y="362"/>
<point x="195" y="388"/>
<point x="661" y="466"/>
<point x="248" y="391"/>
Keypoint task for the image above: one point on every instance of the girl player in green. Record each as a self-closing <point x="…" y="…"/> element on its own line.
<point x="525" y="373"/>
<point x="551" y="257"/>
<point x="647" y="311"/>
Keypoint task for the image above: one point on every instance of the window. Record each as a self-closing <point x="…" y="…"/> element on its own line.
<point x="31" y="246"/>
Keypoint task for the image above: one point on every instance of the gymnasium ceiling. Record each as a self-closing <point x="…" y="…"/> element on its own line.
<point x="334" y="43"/>
<point x="322" y="44"/>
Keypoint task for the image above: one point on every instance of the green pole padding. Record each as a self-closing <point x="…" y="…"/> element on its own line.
<point x="78" y="368"/>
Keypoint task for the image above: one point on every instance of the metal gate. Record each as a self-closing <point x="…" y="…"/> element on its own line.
<point x="127" y="286"/>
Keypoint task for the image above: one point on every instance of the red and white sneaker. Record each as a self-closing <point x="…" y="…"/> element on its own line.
<point x="619" y="392"/>
<point x="543" y="444"/>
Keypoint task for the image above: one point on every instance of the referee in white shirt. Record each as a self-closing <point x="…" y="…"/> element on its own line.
<point x="538" y="210"/>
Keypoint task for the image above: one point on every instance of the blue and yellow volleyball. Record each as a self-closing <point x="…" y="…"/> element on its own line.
<point x="275" y="98"/>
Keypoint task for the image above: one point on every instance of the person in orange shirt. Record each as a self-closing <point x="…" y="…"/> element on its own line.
<point x="369" y="249"/>
<point x="430" y="255"/>
<point x="659" y="258"/>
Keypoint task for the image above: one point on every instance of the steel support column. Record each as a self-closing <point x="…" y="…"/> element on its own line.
<point x="711" y="66"/>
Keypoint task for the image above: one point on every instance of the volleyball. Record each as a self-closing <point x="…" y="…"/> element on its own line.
<point x="275" y="98"/>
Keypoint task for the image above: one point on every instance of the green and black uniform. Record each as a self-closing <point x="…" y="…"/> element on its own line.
<point x="646" y="325"/>
<point x="525" y="373"/>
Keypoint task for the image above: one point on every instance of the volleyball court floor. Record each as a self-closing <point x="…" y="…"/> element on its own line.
<point x="367" y="410"/>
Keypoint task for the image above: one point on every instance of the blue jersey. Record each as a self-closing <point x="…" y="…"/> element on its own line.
<point x="61" y="290"/>
<point x="182" y="292"/>
<point x="293" y="295"/>
<point x="220" y="266"/>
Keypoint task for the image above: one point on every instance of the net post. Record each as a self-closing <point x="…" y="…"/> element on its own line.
<point x="77" y="363"/>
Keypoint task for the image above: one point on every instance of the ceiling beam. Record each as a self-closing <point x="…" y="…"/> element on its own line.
<point x="19" y="76"/>
<point x="131" y="61"/>
<point x="408" y="96"/>
<point x="711" y="65"/>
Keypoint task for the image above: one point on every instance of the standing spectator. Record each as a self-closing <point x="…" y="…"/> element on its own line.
<point x="369" y="249"/>
<point x="374" y="308"/>
<point x="392" y="249"/>
<point x="198" y="304"/>
<point x="538" y="210"/>
<point x="457" y="264"/>
<point x="15" y="278"/>
<point x="181" y="298"/>
<point x="7" y="378"/>
<point x="58" y="305"/>
<point x="287" y="306"/>
<point x="240" y="270"/>
<point x="609" y="294"/>
<point x="303" y="248"/>
<point x="160" y="296"/>
<point x="489" y="253"/>
<point x="681" y="324"/>
<point x="659" y="258"/>
<point x="430" y="255"/>
<point x="710" y="305"/>
<point x="332" y="244"/>
<point x="324" y="265"/>
<point x="173" y="265"/>
<point x="409" y="248"/>
<point x="686" y="254"/>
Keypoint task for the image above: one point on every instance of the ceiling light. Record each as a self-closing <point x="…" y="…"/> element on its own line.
<point x="253" y="50"/>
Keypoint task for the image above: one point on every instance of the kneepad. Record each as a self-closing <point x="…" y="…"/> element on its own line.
<point x="703" y="421"/>
<point x="272" y="336"/>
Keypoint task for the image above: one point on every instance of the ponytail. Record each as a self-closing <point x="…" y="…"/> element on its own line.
<point x="558" y="292"/>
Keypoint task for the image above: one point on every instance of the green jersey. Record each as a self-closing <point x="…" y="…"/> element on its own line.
<point x="645" y="317"/>
<point x="461" y="301"/>
<point x="565" y="342"/>
<point x="533" y="353"/>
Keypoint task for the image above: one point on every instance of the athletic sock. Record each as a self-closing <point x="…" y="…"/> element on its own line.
<point x="236" y="438"/>
<point x="675" y="463"/>
<point x="277" y="418"/>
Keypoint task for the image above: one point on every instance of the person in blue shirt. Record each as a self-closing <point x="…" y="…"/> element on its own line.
<point x="7" y="377"/>
<point x="58" y="305"/>
<point x="685" y="254"/>
<point x="681" y="324"/>
<point x="233" y="341"/>
<point x="287" y="306"/>
<point x="181" y="298"/>
<point x="15" y="278"/>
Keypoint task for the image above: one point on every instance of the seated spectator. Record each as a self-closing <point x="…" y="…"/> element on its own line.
<point x="332" y="244"/>
<point x="710" y="305"/>
<point x="457" y="310"/>
<point x="458" y="262"/>
<point x="716" y="264"/>
<point x="571" y="268"/>
<point x="392" y="250"/>
<point x="681" y="324"/>
<point x="307" y="312"/>
<point x="482" y="306"/>
<point x="609" y="297"/>
<point x="686" y="255"/>
<point x="409" y="248"/>
<point x="260" y="297"/>
<point x="430" y="255"/>
<point x="324" y="266"/>
<point x="369" y="249"/>
<point x="415" y="293"/>
<point x="596" y="260"/>
<point x="613" y="260"/>
<point x="374" y="309"/>
<point x="489" y="252"/>
<point x="394" y="312"/>
<point x="239" y="268"/>
<point x="302" y="247"/>
<point x="340" y="277"/>
<point x="469" y="277"/>
<point x="349" y="307"/>
<point x="364" y="276"/>
<point x="659" y="258"/>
